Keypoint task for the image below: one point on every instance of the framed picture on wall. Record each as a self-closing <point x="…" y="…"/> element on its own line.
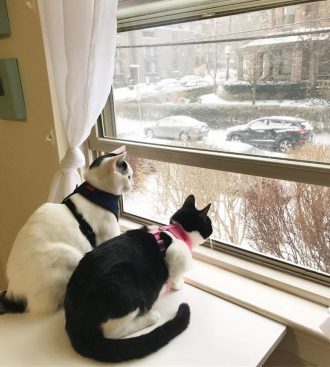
<point x="12" y="105"/>
<point x="4" y="21"/>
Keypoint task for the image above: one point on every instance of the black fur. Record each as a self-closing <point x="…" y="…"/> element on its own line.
<point x="8" y="305"/>
<point x="113" y="280"/>
<point x="120" y="164"/>
<point x="99" y="160"/>
<point x="192" y="219"/>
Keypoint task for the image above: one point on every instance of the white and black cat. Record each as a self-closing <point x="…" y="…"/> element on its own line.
<point x="56" y="236"/>
<point x="112" y="290"/>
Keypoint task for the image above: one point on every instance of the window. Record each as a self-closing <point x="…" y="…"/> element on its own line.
<point x="118" y="68"/>
<point x="260" y="124"/>
<point x="276" y="124"/>
<point x="286" y="220"/>
<point x="190" y="130"/>
<point x="149" y="52"/>
<point x="285" y="62"/>
<point x="148" y="33"/>
<point x="289" y="14"/>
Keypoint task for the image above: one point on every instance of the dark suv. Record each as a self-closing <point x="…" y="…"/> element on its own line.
<point x="274" y="132"/>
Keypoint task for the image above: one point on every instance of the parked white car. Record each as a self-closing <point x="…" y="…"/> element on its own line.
<point x="183" y="128"/>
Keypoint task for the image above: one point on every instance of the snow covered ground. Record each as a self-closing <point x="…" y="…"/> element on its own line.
<point x="143" y="90"/>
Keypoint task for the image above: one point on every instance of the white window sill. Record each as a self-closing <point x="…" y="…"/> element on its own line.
<point x="293" y="301"/>
<point x="290" y="310"/>
<point x="291" y="283"/>
<point x="216" y="329"/>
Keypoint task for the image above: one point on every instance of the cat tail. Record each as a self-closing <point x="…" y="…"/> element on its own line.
<point x="10" y="305"/>
<point x="94" y="345"/>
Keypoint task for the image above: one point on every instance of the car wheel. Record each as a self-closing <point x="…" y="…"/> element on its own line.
<point x="285" y="144"/>
<point x="235" y="138"/>
<point x="150" y="134"/>
<point x="184" y="136"/>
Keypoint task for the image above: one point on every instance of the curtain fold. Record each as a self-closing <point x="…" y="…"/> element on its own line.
<point x="80" y="36"/>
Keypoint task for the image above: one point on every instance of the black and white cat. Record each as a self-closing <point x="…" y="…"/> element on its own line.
<point x="56" y="236"/>
<point x="112" y="290"/>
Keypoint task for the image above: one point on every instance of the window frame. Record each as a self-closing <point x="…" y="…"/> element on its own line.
<point x="138" y="14"/>
<point x="277" y="168"/>
<point x="299" y="171"/>
<point x="98" y="144"/>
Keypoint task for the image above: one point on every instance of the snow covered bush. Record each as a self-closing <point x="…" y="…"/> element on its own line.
<point x="267" y="90"/>
<point x="289" y="221"/>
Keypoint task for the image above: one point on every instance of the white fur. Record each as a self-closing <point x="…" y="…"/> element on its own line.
<point x="49" y="246"/>
<point x="129" y="324"/>
<point x="178" y="257"/>
<point x="101" y="179"/>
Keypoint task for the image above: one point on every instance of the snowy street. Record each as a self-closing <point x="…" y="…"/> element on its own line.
<point x="216" y="139"/>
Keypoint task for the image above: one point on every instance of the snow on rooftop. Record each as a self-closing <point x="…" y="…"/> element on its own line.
<point x="292" y="38"/>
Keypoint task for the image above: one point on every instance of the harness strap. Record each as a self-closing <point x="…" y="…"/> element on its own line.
<point x="84" y="226"/>
<point x="99" y="197"/>
<point x="176" y="230"/>
<point x="160" y="242"/>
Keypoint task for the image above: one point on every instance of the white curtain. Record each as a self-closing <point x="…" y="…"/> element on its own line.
<point x="80" y="36"/>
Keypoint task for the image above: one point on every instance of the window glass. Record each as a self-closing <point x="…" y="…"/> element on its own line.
<point x="289" y="14"/>
<point x="226" y="72"/>
<point x="286" y="220"/>
<point x="277" y="124"/>
<point x="260" y="124"/>
<point x="256" y="83"/>
<point x="148" y="33"/>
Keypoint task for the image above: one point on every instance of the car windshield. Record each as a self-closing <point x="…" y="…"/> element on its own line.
<point x="275" y="124"/>
<point x="259" y="124"/>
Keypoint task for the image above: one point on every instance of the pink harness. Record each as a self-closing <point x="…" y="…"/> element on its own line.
<point x="177" y="232"/>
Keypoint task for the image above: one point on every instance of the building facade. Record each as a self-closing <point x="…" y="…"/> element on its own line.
<point x="297" y="49"/>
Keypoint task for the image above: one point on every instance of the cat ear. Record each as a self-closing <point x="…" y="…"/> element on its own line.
<point x="190" y="201"/>
<point x="113" y="160"/>
<point x="120" y="150"/>
<point x="203" y="212"/>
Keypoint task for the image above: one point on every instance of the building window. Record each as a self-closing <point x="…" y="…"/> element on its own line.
<point x="148" y="33"/>
<point x="289" y="14"/>
<point x="247" y="135"/>
<point x="118" y="68"/>
<point x="284" y="58"/>
<point x="150" y="67"/>
<point x="149" y="51"/>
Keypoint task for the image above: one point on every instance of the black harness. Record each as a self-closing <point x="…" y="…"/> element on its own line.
<point x="99" y="197"/>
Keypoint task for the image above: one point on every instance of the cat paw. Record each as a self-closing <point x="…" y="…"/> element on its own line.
<point x="176" y="285"/>
<point x="153" y="317"/>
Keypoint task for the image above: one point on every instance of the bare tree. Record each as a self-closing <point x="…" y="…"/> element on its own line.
<point x="315" y="48"/>
<point x="222" y="189"/>
<point x="290" y="221"/>
<point x="214" y="52"/>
